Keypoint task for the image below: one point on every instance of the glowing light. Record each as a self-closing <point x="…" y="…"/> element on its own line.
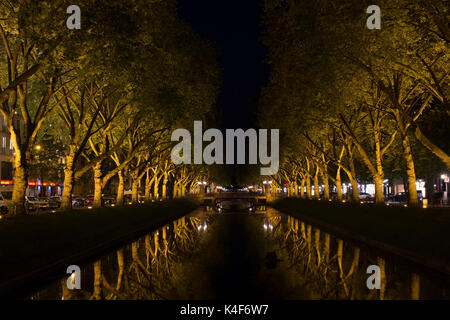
<point x="38" y="147"/>
<point x="89" y="207"/>
<point x="265" y="226"/>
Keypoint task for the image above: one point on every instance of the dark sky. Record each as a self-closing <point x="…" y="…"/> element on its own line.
<point x="234" y="27"/>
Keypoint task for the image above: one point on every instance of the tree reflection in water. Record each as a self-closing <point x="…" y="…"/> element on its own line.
<point x="334" y="269"/>
<point x="265" y="255"/>
<point x="145" y="269"/>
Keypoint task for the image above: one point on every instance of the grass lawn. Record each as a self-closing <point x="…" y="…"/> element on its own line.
<point x="422" y="233"/>
<point x="36" y="246"/>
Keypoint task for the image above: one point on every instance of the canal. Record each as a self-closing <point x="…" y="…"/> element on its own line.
<point x="231" y="255"/>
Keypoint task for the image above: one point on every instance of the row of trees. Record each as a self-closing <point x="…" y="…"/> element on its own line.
<point x="107" y="96"/>
<point x="355" y="103"/>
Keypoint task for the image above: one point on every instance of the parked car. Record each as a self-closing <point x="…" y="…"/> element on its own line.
<point x="89" y="200"/>
<point x="78" y="202"/>
<point x="53" y="202"/>
<point x="109" y="200"/>
<point x="365" y="196"/>
<point x="5" y="200"/>
<point x="402" y="197"/>
<point x="34" y="203"/>
<point x="127" y="198"/>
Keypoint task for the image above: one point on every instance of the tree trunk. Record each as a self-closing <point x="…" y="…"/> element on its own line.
<point x="148" y="187"/>
<point x="338" y="184"/>
<point x="135" y="191"/>
<point x="302" y="188"/>
<point x="326" y="186"/>
<point x="156" y="188"/>
<point x="411" y="173"/>
<point x="379" y="198"/>
<point x="20" y="180"/>
<point x="164" y="187"/>
<point x="355" y="191"/>
<point x="66" y="201"/>
<point x="120" y="188"/>
<point x="175" y="189"/>
<point x="308" y="187"/>
<point x="352" y="178"/>
<point x="316" y="184"/>
<point x="97" y="185"/>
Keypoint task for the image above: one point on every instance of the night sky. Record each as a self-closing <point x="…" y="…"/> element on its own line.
<point x="235" y="28"/>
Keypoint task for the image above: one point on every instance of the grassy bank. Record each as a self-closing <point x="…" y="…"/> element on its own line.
<point x="34" y="247"/>
<point x="415" y="233"/>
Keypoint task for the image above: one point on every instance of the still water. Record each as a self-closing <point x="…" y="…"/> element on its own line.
<point x="210" y="255"/>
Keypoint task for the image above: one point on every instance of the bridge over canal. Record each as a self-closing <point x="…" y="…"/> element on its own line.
<point x="248" y="201"/>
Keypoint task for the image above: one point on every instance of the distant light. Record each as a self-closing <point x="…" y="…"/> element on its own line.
<point x="38" y="147"/>
<point x="89" y="207"/>
<point x="405" y="205"/>
<point x="265" y="226"/>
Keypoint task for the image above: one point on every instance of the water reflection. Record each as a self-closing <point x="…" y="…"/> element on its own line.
<point x="336" y="269"/>
<point x="141" y="270"/>
<point x="214" y="254"/>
